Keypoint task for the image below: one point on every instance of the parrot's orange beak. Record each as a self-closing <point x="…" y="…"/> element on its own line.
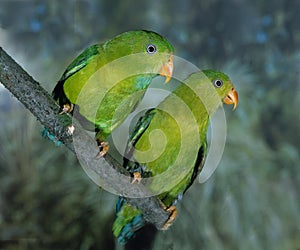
<point x="232" y="98"/>
<point x="167" y="69"/>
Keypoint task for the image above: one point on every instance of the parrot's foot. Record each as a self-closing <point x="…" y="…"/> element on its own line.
<point x="70" y="130"/>
<point x="137" y="177"/>
<point x="67" y="108"/>
<point x="103" y="149"/>
<point x="173" y="215"/>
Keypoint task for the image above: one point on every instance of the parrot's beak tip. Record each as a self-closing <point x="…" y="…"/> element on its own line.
<point x="232" y="98"/>
<point x="167" y="69"/>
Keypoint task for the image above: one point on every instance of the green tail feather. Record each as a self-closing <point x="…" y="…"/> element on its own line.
<point x="128" y="221"/>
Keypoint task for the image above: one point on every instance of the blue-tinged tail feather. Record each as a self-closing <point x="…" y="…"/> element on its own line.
<point x="128" y="220"/>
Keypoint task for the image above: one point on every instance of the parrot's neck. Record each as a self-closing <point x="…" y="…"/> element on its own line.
<point x="202" y="105"/>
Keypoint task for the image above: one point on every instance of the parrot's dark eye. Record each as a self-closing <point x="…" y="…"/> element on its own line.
<point x="151" y="48"/>
<point x="218" y="83"/>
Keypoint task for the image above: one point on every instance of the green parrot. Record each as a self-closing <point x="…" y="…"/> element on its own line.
<point x="168" y="145"/>
<point x="107" y="81"/>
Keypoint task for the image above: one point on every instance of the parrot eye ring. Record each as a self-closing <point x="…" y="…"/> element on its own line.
<point x="218" y="83"/>
<point x="151" y="49"/>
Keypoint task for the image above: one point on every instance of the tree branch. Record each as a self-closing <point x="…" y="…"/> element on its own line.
<point x="103" y="171"/>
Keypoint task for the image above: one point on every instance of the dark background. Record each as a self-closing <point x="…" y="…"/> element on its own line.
<point x="251" y="201"/>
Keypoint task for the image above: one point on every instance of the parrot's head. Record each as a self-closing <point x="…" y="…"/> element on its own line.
<point x="223" y="86"/>
<point x="154" y="53"/>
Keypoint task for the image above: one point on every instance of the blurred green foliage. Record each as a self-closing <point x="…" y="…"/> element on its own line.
<point x="251" y="201"/>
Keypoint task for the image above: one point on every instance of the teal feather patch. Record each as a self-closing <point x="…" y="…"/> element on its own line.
<point x="46" y="134"/>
